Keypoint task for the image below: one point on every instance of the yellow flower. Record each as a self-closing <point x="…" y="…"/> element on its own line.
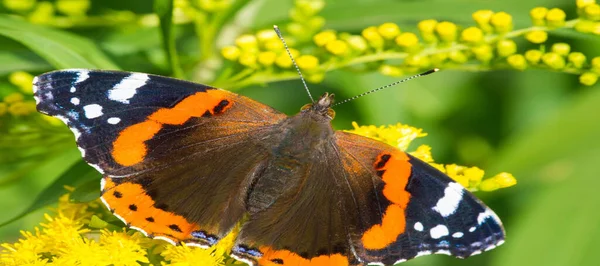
<point x="398" y="135"/>
<point x="43" y="13"/>
<point x="248" y="59"/>
<point x="23" y="80"/>
<point x="592" y="12"/>
<point x="561" y="48"/>
<point x="13" y="98"/>
<point x="472" y="35"/>
<point x="388" y="30"/>
<point x="214" y="5"/>
<point x="537" y="36"/>
<point x="123" y="248"/>
<point x="337" y="47"/>
<point x="458" y="57"/>
<point x="502" y="22"/>
<point x="533" y="56"/>
<point x="483" y="53"/>
<point x="373" y="37"/>
<point x="231" y="53"/>
<point x="588" y="78"/>
<point x="283" y="60"/>
<point x="18" y="5"/>
<point x="247" y="42"/>
<point x="446" y="31"/>
<point x="427" y="29"/>
<point x="267" y="58"/>
<point x="538" y="16"/>
<point x="556" y="17"/>
<point x="324" y="37"/>
<point x="267" y="35"/>
<point x="517" y="61"/>
<point x="184" y="255"/>
<point x="585" y="26"/>
<point x="357" y="43"/>
<point x="423" y="152"/>
<point x="307" y="62"/>
<point x="554" y="60"/>
<point x="390" y="70"/>
<point x="73" y="7"/>
<point x="576" y="59"/>
<point x="21" y="108"/>
<point x="584" y="3"/>
<point x="407" y="40"/>
<point x="506" y="47"/>
<point x="482" y="18"/>
<point x="499" y="181"/>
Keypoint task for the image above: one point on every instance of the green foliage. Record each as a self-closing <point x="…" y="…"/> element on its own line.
<point x="511" y="96"/>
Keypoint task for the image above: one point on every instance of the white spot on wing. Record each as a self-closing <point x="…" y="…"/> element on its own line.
<point x="458" y="235"/>
<point x="75" y="101"/>
<point x="166" y="239"/>
<point x="448" y="204"/>
<point x="83" y="75"/>
<point x="485" y="215"/>
<point x="73" y="89"/>
<point x="419" y="226"/>
<point x="472" y="229"/>
<point x="476" y="252"/>
<point x="423" y="253"/>
<point x="92" y="110"/>
<point x="114" y="120"/>
<point x="97" y="168"/>
<point x="439" y="231"/>
<point x="127" y="88"/>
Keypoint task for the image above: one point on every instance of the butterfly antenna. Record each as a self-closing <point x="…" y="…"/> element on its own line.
<point x="389" y="85"/>
<point x="293" y="61"/>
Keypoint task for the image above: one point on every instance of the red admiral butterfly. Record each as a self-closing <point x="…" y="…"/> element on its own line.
<point x="186" y="162"/>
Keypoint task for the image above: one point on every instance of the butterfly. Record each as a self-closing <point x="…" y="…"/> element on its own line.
<point x="186" y="162"/>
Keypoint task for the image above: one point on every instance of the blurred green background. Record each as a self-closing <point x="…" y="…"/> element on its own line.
<point x="539" y="125"/>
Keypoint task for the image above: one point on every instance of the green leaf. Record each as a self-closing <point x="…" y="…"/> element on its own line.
<point x="557" y="219"/>
<point x="60" y="49"/>
<point x="164" y="10"/>
<point x="79" y="173"/>
<point x="86" y="192"/>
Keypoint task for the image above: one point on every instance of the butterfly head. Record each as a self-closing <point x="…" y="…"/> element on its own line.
<point x="321" y="107"/>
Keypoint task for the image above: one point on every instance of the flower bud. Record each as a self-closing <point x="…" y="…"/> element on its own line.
<point x="554" y="60"/>
<point x="407" y="40"/>
<point x="482" y="18"/>
<point x="556" y="17"/>
<point x="502" y="22"/>
<point x="588" y="78"/>
<point x="307" y="62"/>
<point x="517" y="61"/>
<point x="337" y="47"/>
<point x="231" y="52"/>
<point x="561" y="48"/>
<point x="446" y="31"/>
<point x="373" y="37"/>
<point x="388" y="30"/>
<point x="506" y="47"/>
<point x="576" y="59"/>
<point x="472" y="35"/>
<point x="324" y="37"/>
<point x="483" y="53"/>
<point x="502" y="180"/>
<point x="536" y="36"/>
<point x="533" y="56"/>
<point x="267" y="58"/>
<point x="538" y="16"/>
<point x="389" y="70"/>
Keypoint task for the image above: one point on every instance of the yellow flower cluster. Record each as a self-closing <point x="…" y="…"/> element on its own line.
<point x="488" y="44"/>
<point x="42" y="12"/>
<point x="67" y="238"/>
<point x="401" y="136"/>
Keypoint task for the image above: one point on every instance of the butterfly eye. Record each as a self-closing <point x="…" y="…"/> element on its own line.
<point x="306" y="107"/>
<point x="331" y="113"/>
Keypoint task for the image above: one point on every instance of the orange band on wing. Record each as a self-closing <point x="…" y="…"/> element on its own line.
<point x="396" y="172"/>
<point x="284" y="257"/>
<point x="131" y="203"/>
<point x="129" y="147"/>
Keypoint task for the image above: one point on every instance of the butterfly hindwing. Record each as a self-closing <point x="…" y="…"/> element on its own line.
<point x="433" y="213"/>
